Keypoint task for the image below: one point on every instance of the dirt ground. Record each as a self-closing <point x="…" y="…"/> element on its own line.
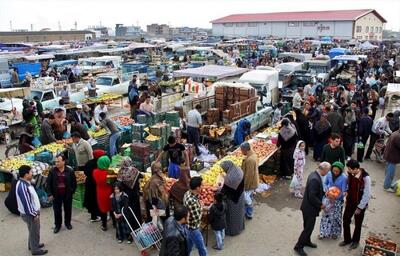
<point x="273" y="231"/>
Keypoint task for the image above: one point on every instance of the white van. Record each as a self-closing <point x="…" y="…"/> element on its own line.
<point x="265" y="80"/>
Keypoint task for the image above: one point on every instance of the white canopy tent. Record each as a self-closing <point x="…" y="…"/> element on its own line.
<point x="214" y="71"/>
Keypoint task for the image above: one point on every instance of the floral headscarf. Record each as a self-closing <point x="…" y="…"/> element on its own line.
<point x="128" y="174"/>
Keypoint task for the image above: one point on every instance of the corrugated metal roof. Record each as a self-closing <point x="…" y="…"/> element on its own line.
<point x="298" y="16"/>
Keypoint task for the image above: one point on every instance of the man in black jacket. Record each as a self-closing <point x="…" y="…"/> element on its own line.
<point x="174" y="241"/>
<point x="311" y="206"/>
<point x="61" y="184"/>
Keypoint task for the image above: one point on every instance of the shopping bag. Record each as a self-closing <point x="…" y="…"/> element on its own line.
<point x="397" y="187"/>
<point x="36" y="142"/>
<point x="293" y="184"/>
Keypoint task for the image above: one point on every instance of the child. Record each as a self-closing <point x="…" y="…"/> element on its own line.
<point x="299" y="163"/>
<point x="119" y="200"/>
<point x="216" y="218"/>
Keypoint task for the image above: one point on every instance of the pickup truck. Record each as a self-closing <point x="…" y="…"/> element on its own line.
<point x="115" y="83"/>
<point x="48" y="98"/>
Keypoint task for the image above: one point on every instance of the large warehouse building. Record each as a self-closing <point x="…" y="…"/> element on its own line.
<point x="366" y="24"/>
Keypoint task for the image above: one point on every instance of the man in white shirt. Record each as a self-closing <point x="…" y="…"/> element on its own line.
<point x="379" y="129"/>
<point x="146" y="107"/>
<point x="102" y="107"/>
<point x="193" y="124"/>
<point x="307" y="90"/>
<point x="29" y="208"/>
<point x="297" y="98"/>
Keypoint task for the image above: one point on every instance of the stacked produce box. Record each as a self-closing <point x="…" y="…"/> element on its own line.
<point x="235" y="102"/>
<point x="376" y="246"/>
<point x="141" y="155"/>
<point x="79" y="195"/>
<point x="172" y="118"/>
<point x="213" y="115"/>
<point x="138" y="133"/>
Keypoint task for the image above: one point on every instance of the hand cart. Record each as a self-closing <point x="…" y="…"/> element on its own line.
<point x="146" y="236"/>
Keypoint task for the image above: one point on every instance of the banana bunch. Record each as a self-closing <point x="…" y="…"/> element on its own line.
<point x="96" y="134"/>
<point x="144" y="180"/>
<point x="210" y="177"/>
<point x="152" y="138"/>
<point x="52" y="147"/>
<point x="14" y="163"/>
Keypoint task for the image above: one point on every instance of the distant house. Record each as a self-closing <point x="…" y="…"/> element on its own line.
<point x="366" y="24"/>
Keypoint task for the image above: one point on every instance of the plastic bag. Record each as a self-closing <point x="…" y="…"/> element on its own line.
<point x="293" y="184"/>
<point x="36" y="142"/>
<point x="397" y="187"/>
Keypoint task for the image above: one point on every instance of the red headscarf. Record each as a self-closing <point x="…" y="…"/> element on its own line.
<point x="98" y="153"/>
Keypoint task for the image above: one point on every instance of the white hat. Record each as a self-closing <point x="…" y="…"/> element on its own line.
<point x="79" y="106"/>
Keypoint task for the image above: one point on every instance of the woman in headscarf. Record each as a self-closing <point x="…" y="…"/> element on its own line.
<point x="180" y="187"/>
<point x="90" y="199"/>
<point x="321" y="132"/>
<point x="287" y="140"/>
<point x="233" y="189"/>
<point x="129" y="177"/>
<point x="299" y="157"/>
<point x="154" y="192"/>
<point x="331" y="221"/>
<point x="349" y="132"/>
<point x="103" y="189"/>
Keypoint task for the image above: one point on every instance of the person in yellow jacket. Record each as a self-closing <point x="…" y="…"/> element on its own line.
<point x="251" y="179"/>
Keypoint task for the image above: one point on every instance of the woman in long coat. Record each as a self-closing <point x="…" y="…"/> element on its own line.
<point x="233" y="190"/>
<point x="129" y="177"/>
<point x="154" y="192"/>
<point x="321" y="132"/>
<point x="103" y="189"/>
<point x="287" y="140"/>
<point x="90" y="199"/>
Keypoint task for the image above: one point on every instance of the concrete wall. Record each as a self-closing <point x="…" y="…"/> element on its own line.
<point x="336" y="29"/>
<point x="43" y="37"/>
<point x="369" y="20"/>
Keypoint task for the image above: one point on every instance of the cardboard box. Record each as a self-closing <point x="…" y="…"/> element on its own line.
<point x="220" y="90"/>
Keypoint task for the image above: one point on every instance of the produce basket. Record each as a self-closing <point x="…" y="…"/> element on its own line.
<point x="79" y="194"/>
<point x="77" y="204"/>
<point x="373" y="251"/>
<point x="376" y="244"/>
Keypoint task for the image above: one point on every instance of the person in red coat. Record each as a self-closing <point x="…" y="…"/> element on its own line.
<point x="103" y="189"/>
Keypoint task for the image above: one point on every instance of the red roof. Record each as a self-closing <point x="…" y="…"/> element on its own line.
<point x="298" y="16"/>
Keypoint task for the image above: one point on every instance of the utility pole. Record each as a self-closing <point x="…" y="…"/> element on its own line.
<point x="59" y="25"/>
<point x="76" y="25"/>
<point x="10" y="25"/>
<point x="31" y="27"/>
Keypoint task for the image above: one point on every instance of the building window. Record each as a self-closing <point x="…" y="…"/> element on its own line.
<point x="376" y="29"/>
<point x="308" y="24"/>
<point x="358" y="29"/>
<point x="366" y="37"/>
<point x="293" y="24"/>
<point x="241" y="24"/>
<point x="228" y="25"/>
<point x="380" y="29"/>
<point x="252" y="24"/>
<point x="366" y="29"/>
<point x="372" y="30"/>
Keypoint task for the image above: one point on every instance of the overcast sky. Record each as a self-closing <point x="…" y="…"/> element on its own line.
<point x="194" y="13"/>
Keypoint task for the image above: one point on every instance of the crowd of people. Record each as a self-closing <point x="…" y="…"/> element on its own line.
<point x="334" y="125"/>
